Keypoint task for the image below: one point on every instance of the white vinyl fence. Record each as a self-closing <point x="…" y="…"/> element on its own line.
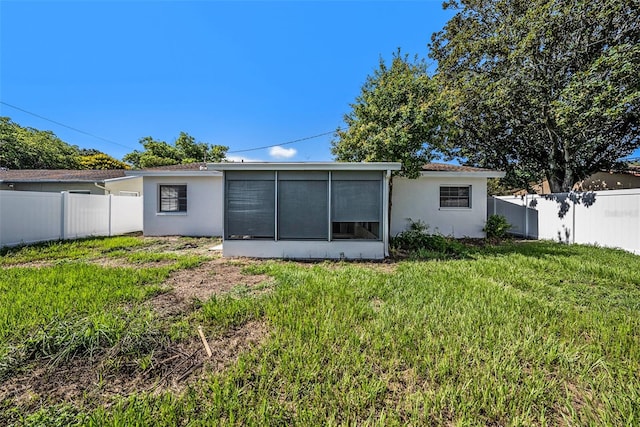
<point x="605" y="218"/>
<point x="30" y="217"/>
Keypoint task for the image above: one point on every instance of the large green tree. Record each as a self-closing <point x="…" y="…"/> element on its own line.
<point x="29" y="148"/>
<point x="397" y="117"/>
<point x="184" y="150"/>
<point x="545" y="88"/>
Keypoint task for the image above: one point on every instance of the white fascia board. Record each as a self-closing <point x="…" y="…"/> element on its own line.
<point x="122" y="178"/>
<point x="462" y="174"/>
<point x="311" y="166"/>
<point x="174" y="173"/>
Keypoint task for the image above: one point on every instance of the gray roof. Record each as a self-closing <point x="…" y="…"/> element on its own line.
<point x="58" y="175"/>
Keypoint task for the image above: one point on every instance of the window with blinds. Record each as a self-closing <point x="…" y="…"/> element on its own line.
<point x="455" y="197"/>
<point x="173" y="198"/>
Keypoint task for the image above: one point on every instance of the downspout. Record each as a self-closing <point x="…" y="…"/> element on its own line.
<point x="102" y="188"/>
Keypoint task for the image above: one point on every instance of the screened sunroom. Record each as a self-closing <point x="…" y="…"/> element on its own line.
<point x="306" y="210"/>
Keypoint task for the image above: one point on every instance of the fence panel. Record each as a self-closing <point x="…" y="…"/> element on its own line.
<point x="606" y="218"/>
<point x="29" y="217"/>
<point x="86" y="215"/>
<point x="126" y="214"/>
<point x="612" y="220"/>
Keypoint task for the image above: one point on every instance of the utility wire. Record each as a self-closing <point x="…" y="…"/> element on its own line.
<point x="66" y="126"/>
<point x="126" y="146"/>
<point x="283" y="143"/>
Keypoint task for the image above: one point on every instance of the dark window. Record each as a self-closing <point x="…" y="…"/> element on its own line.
<point x="250" y="205"/>
<point x="355" y="230"/>
<point x="455" y="197"/>
<point x="303" y="205"/>
<point x="173" y="198"/>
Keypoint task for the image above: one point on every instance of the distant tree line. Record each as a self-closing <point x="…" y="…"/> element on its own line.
<point x="29" y="148"/>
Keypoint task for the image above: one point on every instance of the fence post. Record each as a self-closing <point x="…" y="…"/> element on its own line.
<point x="526" y="216"/>
<point x="110" y="214"/>
<point x="573" y="231"/>
<point x="63" y="214"/>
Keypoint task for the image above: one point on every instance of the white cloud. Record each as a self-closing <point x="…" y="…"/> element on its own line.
<point x="282" y="153"/>
<point x="241" y="159"/>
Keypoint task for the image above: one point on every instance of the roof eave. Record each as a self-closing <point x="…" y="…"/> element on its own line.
<point x="173" y="173"/>
<point x="316" y="166"/>
<point x="121" y="178"/>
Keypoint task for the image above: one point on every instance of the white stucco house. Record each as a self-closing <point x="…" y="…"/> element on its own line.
<point x="312" y="209"/>
<point x="450" y="199"/>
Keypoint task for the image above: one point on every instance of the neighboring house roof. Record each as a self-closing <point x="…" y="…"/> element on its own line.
<point x="445" y="167"/>
<point x="189" y="169"/>
<point x="440" y="169"/>
<point x="58" y="175"/>
<point x="180" y="167"/>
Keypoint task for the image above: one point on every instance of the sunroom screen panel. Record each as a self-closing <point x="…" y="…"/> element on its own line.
<point x="356" y="201"/>
<point x="302" y="209"/>
<point x="250" y="209"/>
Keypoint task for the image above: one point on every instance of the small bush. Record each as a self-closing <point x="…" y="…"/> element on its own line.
<point x="421" y="244"/>
<point x="496" y="227"/>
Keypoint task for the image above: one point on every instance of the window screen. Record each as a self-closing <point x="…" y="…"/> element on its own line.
<point x="173" y="198"/>
<point x="455" y="197"/>
<point x="303" y="205"/>
<point x="250" y="207"/>
<point x="356" y="201"/>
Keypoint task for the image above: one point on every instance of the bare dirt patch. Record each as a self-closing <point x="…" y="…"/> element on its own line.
<point x="171" y="366"/>
<point x="214" y="277"/>
<point x="96" y="382"/>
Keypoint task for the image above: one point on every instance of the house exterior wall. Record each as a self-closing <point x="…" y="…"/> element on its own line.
<point x="130" y="184"/>
<point x="54" y="187"/>
<point x="419" y="199"/>
<point x="204" y="207"/>
<point x="610" y="181"/>
<point x="305" y="249"/>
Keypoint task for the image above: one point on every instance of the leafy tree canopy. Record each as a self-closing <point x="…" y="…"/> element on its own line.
<point x="184" y="150"/>
<point x="397" y="117"/>
<point x="542" y="87"/>
<point x="101" y="161"/>
<point x="29" y="148"/>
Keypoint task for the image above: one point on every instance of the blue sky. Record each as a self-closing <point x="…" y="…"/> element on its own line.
<point x="243" y="74"/>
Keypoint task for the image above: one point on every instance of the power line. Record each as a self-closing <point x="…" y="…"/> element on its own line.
<point x="129" y="147"/>
<point x="66" y="126"/>
<point x="283" y="143"/>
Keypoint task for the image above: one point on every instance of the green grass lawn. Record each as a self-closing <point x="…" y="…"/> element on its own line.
<point x="532" y="333"/>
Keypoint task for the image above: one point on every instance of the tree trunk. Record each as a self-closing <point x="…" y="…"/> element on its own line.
<point x="560" y="180"/>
